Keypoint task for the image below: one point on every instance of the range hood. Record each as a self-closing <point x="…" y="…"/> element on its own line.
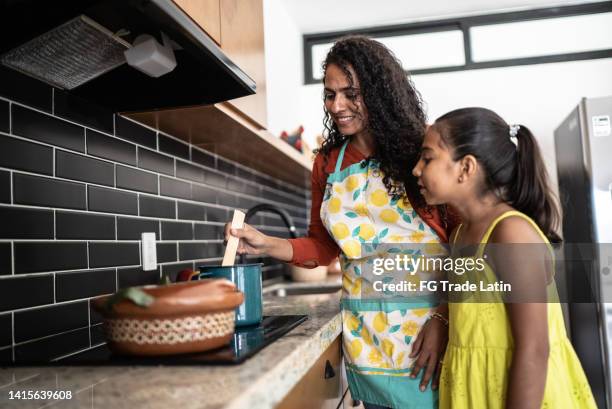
<point x="203" y="73"/>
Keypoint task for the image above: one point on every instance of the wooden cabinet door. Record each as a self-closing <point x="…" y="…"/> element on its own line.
<point x="242" y="40"/>
<point x="206" y="13"/>
<point x="314" y="391"/>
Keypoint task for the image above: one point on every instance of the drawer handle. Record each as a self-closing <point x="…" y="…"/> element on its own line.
<point x="329" y="370"/>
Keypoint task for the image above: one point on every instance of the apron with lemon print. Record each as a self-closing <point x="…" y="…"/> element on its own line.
<point x="377" y="334"/>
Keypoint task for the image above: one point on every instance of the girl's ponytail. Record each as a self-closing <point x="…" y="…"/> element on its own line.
<point x="511" y="159"/>
<point x="530" y="192"/>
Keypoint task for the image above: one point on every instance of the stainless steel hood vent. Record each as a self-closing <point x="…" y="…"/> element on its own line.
<point x="50" y="40"/>
<point x="69" y="55"/>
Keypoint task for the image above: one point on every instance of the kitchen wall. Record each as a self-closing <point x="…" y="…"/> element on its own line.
<point x="78" y="185"/>
<point x="537" y="96"/>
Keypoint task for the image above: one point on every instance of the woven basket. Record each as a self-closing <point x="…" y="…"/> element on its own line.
<point x="185" y="317"/>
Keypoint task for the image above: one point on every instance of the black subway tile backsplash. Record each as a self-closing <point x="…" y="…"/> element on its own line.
<point x="18" y="154"/>
<point x="154" y="207"/>
<point x="113" y="254"/>
<point x="22" y="292"/>
<point x="6" y="260"/>
<point x="82" y="111"/>
<point x="52" y="347"/>
<point x="32" y="257"/>
<point x="97" y="334"/>
<point x="132" y="228"/>
<point x="110" y="148"/>
<point x="202" y="158"/>
<point x="226" y="167"/>
<point x="5" y="187"/>
<point x="190" y="211"/>
<point x="188" y="171"/>
<point x="216" y="179"/>
<point x="6" y="330"/>
<point x="173" y="147"/>
<point x="156" y="162"/>
<point x="72" y="225"/>
<point x="83" y="241"/>
<point x="166" y="252"/>
<point x="129" y="277"/>
<point x="134" y="132"/>
<point x="133" y="179"/>
<point x="39" y="191"/>
<point x="174" y="188"/>
<point x="84" y="284"/>
<point x="194" y="251"/>
<point x="112" y="201"/>
<point x="176" y="231"/>
<point x="23" y="223"/>
<point x="204" y="194"/>
<point x="208" y="232"/>
<point x="4" y="116"/>
<point x="215" y="214"/>
<point x="23" y="89"/>
<point x="78" y="167"/>
<point x="45" y="128"/>
<point x="42" y="322"/>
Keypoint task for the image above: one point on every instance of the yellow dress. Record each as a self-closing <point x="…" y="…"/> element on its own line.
<point x="479" y="354"/>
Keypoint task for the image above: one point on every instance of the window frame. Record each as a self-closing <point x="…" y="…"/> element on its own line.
<point x="464" y="24"/>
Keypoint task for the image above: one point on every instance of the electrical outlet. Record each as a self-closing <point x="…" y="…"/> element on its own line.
<point x="148" y="251"/>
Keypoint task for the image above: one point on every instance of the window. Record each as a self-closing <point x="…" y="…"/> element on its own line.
<point x="554" y="34"/>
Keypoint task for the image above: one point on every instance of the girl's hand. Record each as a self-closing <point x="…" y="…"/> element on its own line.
<point x="429" y="346"/>
<point x="252" y="241"/>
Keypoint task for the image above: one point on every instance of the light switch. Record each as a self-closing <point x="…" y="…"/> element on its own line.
<point x="149" y="252"/>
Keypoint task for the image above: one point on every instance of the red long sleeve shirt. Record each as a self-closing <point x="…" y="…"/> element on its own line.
<point x="319" y="248"/>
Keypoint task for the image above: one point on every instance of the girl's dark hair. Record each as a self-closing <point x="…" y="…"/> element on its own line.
<point x="515" y="172"/>
<point x="395" y="114"/>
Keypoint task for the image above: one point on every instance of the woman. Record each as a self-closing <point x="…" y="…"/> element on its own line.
<point x="363" y="194"/>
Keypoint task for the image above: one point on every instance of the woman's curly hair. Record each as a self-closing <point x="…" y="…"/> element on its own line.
<point x="395" y="114"/>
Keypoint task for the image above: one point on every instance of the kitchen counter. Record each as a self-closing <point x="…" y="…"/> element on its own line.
<point x="260" y="382"/>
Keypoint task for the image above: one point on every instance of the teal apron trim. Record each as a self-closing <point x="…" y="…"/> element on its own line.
<point x="399" y="392"/>
<point x="354" y="169"/>
<point x="406" y="303"/>
<point x="372" y="369"/>
<point x="340" y="175"/>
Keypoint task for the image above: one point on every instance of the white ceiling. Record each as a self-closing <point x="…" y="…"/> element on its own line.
<point x="313" y="16"/>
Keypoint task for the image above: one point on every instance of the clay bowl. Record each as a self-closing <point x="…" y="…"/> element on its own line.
<point x="184" y="317"/>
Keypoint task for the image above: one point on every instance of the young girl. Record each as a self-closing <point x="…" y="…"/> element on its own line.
<point x="501" y="355"/>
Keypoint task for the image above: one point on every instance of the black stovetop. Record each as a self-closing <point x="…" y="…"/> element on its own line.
<point x="246" y="342"/>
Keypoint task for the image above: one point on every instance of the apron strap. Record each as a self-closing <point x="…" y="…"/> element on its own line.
<point x="341" y="156"/>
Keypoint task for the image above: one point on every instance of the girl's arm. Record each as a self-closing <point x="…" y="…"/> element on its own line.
<point x="517" y="254"/>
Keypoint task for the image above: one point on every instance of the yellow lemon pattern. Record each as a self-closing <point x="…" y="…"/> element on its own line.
<point x="340" y="231"/>
<point x="366" y="231"/>
<point x="352" y="182"/>
<point x="380" y="322"/>
<point x="359" y="213"/>
<point x="354" y="348"/>
<point x="351" y="248"/>
<point x="379" y="197"/>
<point x="334" y="205"/>
<point x="389" y="216"/>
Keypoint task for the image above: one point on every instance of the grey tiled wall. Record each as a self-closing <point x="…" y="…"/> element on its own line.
<point x="78" y="184"/>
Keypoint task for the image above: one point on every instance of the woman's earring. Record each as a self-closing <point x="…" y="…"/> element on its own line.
<point x="460" y="179"/>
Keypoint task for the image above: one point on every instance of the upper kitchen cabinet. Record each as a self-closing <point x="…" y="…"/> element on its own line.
<point x="242" y="40"/>
<point x="206" y="13"/>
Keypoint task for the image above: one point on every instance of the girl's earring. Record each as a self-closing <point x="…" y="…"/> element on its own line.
<point x="460" y="179"/>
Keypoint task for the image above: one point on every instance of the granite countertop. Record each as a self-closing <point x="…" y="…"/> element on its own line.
<point x="260" y="382"/>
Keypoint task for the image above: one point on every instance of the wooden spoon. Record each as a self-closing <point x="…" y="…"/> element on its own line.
<point x="232" y="244"/>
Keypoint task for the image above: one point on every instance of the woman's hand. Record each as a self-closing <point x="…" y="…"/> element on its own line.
<point x="429" y="348"/>
<point x="252" y="241"/>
